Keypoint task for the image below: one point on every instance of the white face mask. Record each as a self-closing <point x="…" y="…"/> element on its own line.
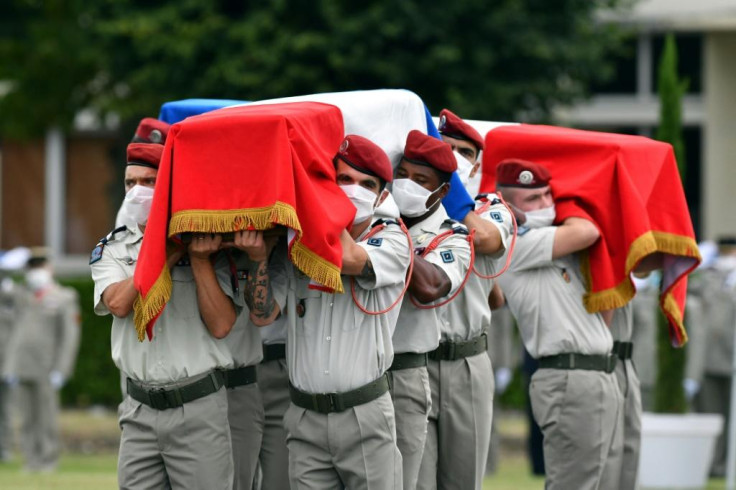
<point x="411" y="197"/>
<point x="540" y="218"/>
<point x="362" y="199"/>
<point x="38" y="279"/>
<point x="137" y="205"/>
<point x="463" y="168"/>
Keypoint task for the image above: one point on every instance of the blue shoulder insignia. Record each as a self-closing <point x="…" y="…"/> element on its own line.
<point x="447" y="256"/>
<point x="376" y="242"/>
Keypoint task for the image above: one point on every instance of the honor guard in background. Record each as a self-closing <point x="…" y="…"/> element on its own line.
<point x="41" y="356"/>
<point x="175" y="431"/>
<point x="273" y="381"/>
<point x="460" y="373"/>
<point x="440" y="266"/>
<point x="644" y="308"/>
<point x="574" y="393"/>
<point x="340" y="425"/>
<point x="715" y="288"/>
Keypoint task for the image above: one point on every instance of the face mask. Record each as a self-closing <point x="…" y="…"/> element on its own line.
<point x="473" y="185"/>
<point x="38" y="279"/>
<point x="540" y="217"/>
<point x="463" y="168"/>
<point x="411" y="197"/>
<point x="362" y="199"/>
<point x="137" y="204"/>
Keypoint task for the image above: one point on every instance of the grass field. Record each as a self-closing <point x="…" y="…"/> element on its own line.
<point x="90" y="461"/>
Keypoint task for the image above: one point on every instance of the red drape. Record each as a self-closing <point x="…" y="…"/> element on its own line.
<point x="247" y="167"/>
<point x="631" y="188"/>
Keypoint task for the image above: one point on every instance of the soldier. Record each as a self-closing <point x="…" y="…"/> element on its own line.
<point x="41" y="356"/>
<point x="175" y="430"/>
<point x="644" y="307"/>
<point x="574" y="393"/>
<point x="716" y="291"/>
<point x="273" y="381"/>
<point x="466" y="141"/>
<point x="460" y="373"/>
<point x="340" y="425"/>
<point x="440" y="266"/>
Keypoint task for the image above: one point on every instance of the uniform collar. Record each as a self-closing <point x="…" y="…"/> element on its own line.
<point x="430" y="224"/>
<point x="132" y="235"/>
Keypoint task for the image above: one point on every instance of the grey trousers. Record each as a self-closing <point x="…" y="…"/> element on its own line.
<point x="714" y="397"/>
<point x="245" y="414"/>
<point x="628" y="382"/>
<point x="273" y="381"/>
<point x="459" y="428"/>
<point x="353" y="449"/>
<point x="38" y="405"/>
<point x="188" y="447"/>
<point x="6" y="433"/>
<point x="412" y="403"/>
<point x="580" y="414"/>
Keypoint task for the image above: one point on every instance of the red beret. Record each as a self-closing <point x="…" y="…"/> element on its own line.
<point x="365" y="156"/>
<point x="151" y="130"/>
<point x="145" y="154"/>
<point x="454" y="127"/>
<point x="520" y="173"/>
<point x="426" y="150"/>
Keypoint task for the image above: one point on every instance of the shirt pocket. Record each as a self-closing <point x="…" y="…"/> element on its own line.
<point x="308" y="309"/>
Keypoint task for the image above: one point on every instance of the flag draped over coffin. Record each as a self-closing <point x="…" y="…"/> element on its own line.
<point x="629" y="186"/>
<point x="247" y="167"/>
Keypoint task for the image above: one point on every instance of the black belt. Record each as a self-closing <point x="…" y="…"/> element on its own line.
<point x="162" y="398"/>
<point x="605" y="363"/>
<point x="338" y="402"/>
<point x="451" y="351"/>
<point x="408" y="360"/>
<point x="273" y="352"/>
<point x="623" y="350"/>
<point x="240" y="376"/>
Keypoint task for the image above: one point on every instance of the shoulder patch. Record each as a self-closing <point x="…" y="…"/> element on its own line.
<point x="447" y="256"/>
<point x="496" y="216"/>
<point x="522" y="230"/>
<point x="376" y="242"/>
<point x="96" y="254"/>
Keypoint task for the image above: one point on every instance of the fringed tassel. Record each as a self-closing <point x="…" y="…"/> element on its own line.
<point x="230" y="220"/>
<point x="670" y="307"/>
<point x="316" y="267"/>
<point x="149" y="307"/>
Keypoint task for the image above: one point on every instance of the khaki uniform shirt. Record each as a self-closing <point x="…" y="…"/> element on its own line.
<point x="545" y="296"/>
<point x="622" y="323"/>
<point x="469" y="315"/>
<point x="182" y="346"/>
<point x="417" y="329"/>
<point x="46" y="337"/>
<point x="332" y="345"/>
<point x="9" y="312"/>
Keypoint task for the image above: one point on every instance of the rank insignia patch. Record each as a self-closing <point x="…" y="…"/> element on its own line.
<point x="376" y="242"/>
<point x="96" y="254"/>
<point x="496" y="216"/>
<point x="447" y="256"/>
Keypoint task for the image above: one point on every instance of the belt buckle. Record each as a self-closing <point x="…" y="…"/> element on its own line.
<point x="450" y="351"/>
<point x="571" y="357"/>
<point x="323" y="403"/>
<point x="157" y="396"/>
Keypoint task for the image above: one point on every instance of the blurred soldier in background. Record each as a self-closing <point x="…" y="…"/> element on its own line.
<point x="644" y="308"/>
<point x="709" y="375"/>
<point x="41" y="356"/>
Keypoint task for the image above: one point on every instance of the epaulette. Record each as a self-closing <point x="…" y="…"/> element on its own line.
<point x="484" y="198"/>
<point x="96" y="254"/>
<point x="522" y="230"/>
<point x="384" y="221"/>
<point x="456" y="227"/>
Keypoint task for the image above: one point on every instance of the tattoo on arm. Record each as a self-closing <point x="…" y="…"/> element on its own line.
<point x="258" y="294"/>
<point x="368" y="272"/>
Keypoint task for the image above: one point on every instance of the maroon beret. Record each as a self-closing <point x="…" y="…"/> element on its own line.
<point x="427" y="150"/>
<point x="151" y="130"/>
<point x="521" y="173"/>
<point x="454" y="127"/>
<point x="365" y="156"/>
<point x="145" y="154"/>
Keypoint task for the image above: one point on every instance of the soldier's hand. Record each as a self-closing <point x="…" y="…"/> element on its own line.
<point x="56" y="379"/>
<point x="253" y="243"/>
<point x="203" y="245"/>
<point x="174" y="253"/>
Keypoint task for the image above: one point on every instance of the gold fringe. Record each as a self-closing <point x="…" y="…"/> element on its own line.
<point x="646" y="244"/>
<point x="317" y="268"/>
<point x="225" y="221"/>
<point x="146" y="309"/>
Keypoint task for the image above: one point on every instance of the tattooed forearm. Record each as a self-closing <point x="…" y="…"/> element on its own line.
<point x="258" y="294"/>
<point x="368" y="272"/>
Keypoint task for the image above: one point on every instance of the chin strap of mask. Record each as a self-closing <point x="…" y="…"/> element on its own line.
<point x="434" y="244"/>
<point x="482" y="210"/>
<point x="381" y="224"/>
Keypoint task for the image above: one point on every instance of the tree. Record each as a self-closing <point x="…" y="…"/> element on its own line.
<point x="669" y="395"/>
<point x="490" y="60"/>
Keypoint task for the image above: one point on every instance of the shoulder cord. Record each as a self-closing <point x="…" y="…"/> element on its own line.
<point x="434" y="244"/>
<point x="375" y="230"/>
<point x="482" y="210"/>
